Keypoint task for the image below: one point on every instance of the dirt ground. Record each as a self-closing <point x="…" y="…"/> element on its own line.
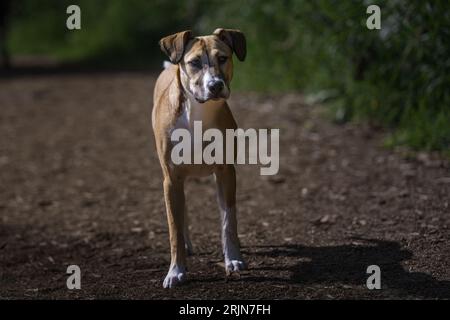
<point x="81" y="184"/>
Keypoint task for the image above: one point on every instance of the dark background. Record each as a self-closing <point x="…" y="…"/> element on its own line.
<point x="364" y="142"/>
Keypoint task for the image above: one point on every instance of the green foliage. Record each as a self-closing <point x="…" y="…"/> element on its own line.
<point x="397" y="76"/>
<point x="113" y="31"/>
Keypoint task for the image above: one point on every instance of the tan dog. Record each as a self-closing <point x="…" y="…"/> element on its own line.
<point x="195" y="88"/>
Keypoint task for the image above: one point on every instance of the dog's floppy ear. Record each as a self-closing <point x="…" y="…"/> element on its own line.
<point x="175" y="44"/>
<point x="235" y="39"/>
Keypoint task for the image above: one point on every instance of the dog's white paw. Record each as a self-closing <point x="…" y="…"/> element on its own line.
<point x="232" y="266"/>
<point x="174" y="277"/>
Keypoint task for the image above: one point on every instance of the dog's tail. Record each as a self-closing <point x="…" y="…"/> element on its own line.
<point x="166" y="64"/>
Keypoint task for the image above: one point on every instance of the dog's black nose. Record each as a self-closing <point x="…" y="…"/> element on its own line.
<point x="215" y="87"/>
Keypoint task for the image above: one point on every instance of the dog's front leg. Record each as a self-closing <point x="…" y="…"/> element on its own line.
<point x="174" y="198"/>
<point x="226" y="195"/>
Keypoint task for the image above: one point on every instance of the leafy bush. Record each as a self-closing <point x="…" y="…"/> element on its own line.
<point x="397" y="76"/>
<point x="111" y="29"/>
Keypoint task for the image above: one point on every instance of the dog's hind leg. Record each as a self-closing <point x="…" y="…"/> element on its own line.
<point x="226" y="195"/>
<point x="187" y="238"/>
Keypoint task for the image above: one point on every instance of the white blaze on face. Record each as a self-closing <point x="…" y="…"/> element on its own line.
<point x="210" y="78"/>
<point x="206" y="79"/>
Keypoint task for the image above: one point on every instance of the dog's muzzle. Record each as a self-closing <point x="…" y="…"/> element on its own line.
<point x="215" y="87"/>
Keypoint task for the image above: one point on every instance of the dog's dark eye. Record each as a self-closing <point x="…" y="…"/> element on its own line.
<point x="196" y="63"/>
<point x="222" y="60"/>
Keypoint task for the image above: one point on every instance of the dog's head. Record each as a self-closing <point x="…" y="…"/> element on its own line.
<point x="206" y="65"/>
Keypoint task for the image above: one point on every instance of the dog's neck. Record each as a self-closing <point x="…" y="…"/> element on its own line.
<point x="193" y="110"/>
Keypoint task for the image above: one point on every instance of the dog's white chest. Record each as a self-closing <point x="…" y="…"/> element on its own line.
<point x="206" y="113"/>
<point x="193" y="114"/>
